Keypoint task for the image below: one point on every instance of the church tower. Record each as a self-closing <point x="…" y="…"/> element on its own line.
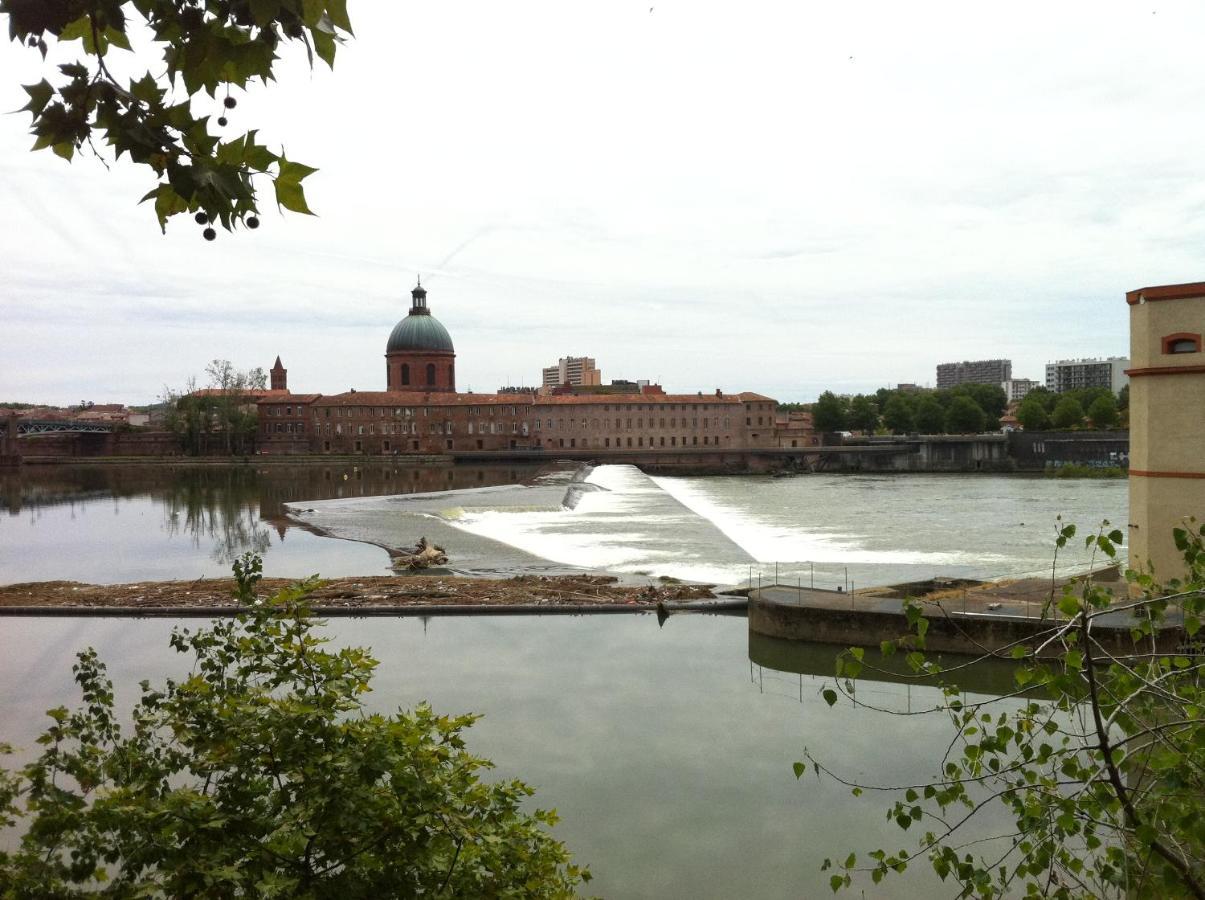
<point x="280" y="377"/>
<point x="419" y="355"/>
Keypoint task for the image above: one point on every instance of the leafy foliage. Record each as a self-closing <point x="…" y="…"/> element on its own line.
<point x="1098" y="757"/>
<point x="221" y="416"/>
<point x="1067" y="413"/>
<point x="897" y="415"/>
<point x="1103" y="412"/>
<point x="163" y="121"/>
<point x="829" y="412"/>
<point x="1032" y="414"/>
<point x="261" y="775"/>
<point x="964" y="416"/>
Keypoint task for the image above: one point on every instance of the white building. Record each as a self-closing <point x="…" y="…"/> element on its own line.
<point x="1076" y="374"/>
<point x="1015" y="389"/>
<point x="574" y="370"/>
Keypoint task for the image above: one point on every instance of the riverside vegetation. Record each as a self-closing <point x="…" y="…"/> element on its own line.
<point x="1099" y="758"/>
<point x="261" y="775"/>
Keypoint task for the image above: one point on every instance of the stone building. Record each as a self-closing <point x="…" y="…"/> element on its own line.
<point x="421" y="412"/>
<point x="1167" y="421"/>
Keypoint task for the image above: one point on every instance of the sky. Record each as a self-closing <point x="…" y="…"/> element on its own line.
<point x="773" y="197"/>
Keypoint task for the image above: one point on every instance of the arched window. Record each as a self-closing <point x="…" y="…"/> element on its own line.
<point x="430" y="373"/>
<point x="1182" y="342"/>
<point x="451" y="375"/>
<point x="405" y="373"/>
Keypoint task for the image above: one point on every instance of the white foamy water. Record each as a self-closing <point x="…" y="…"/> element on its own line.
<point x="623" y="522"/>
<point x="769" y="542"/>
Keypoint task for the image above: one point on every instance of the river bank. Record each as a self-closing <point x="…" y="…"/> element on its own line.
<point x="377" y="594"/>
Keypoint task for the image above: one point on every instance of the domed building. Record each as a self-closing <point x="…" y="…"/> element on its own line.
<point x="420" y="355"/>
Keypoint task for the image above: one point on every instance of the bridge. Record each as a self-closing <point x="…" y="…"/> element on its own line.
<point x="16" y="428"/>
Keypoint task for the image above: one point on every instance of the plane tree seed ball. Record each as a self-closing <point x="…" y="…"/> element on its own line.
<point x="201" y="218"/>
<point x="209" y="234"/>
<point x="222" y="121"/>
<point x="230" y="102"/>
<point x="252" y="222"/>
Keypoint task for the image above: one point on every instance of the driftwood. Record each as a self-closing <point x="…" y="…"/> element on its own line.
<point x="424" y="555"/>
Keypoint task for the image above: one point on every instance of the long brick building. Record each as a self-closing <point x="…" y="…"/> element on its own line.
<point x="421" y="412"/>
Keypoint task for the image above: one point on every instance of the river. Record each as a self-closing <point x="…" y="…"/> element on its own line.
<point x="667" y="750"/>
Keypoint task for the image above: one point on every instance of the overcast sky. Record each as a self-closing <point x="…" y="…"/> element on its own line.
<point x="778" y="197"/>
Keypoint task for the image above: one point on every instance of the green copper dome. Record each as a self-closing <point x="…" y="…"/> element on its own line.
<point x="419" y="331"/>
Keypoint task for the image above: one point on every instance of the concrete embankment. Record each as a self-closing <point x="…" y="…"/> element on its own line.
<point x="988" y="626"/>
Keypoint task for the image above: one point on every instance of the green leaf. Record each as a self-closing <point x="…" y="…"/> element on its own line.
<point x="291" y="196"/>
<point x="836" y="882"/>
<point x="39" y="96"/>
<point x="799" y="769"/>
<point x="830" y="696"/>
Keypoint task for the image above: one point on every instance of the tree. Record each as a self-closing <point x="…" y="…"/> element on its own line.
<point x="222" y="414"/>
<point x="1067" y="414"/>
<point x="829" y="413"/>
<point x="897" y="415"/>
<point x="1103" y="412"/>
<point x="988" y="397"/>
<point x="1032" y="415"/>
<point x="963" y="416"/>
<point x="1123" y="398"/>
<point x="208" y="48"/>
<point x="930" y="417"/>
<point x="863" y="416"/>
<point x="260" y="774"/>
<point x="1098" y="756"/>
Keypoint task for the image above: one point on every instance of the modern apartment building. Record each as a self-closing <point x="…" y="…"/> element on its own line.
<point x="981" y="371"/>
<point x="1015" y="389"/>
<point x="1076" y="374"/>
<point x="574" y="370"/>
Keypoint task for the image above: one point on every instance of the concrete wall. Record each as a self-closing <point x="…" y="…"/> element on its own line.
<point x="1037" y="450"/>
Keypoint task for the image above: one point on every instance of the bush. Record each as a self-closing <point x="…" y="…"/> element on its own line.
<point x="261" y="775"/>
<point x="964" y="416"/>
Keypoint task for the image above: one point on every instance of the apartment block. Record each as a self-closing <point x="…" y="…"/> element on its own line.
<point x="1077" y="374"/>
<point x="980" y="371"/>
<point x="574" y="370"/>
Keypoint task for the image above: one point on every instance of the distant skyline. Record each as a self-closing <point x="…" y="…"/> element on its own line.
<point x="775" y="197"/>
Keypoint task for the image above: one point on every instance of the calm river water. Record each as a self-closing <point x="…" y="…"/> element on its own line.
<point x="668" y="751"/>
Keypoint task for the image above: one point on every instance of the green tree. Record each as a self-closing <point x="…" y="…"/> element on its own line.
<point x="1099" y="755"/>
<point x="172" y="117"/>
<point x="930" y="417"/>
<point x="963" y="416"/>
<point x="261" y="774"/>
<point x="863" y="416"/>
<point x="829" y="413"/>
<point x="1067" y="414"/>
<point x="1103" y="412"/>
<point x="897" y="415"/>
<point x="1032" y="415"/>
<point x="1123" y="398"/>
<point x="988" y="397"/>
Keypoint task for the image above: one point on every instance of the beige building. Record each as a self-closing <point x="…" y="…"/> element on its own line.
<point x="579" y="371"/>
<point x="1167" y="421"/>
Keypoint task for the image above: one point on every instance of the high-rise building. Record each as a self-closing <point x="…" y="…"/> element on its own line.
<point x="1167" y="427"/>
<point x="1077" y="374"/>
<point x="981" y="371"/>
<point x="573" y="370"/>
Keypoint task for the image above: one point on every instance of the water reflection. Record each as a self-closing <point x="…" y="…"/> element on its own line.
<point x="992" y="677"/>
<point x="170" y="521"/>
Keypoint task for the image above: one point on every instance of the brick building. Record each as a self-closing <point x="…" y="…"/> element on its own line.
<point x="421" y="412"/>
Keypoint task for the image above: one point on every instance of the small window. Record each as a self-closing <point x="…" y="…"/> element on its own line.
<point x="405" y="373"/>
<point x="1182" y="343"/>
<point x="431" y="374"/>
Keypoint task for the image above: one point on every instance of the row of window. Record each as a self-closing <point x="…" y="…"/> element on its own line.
<point x="639" y="441"/>
<point x="430" y="373"/>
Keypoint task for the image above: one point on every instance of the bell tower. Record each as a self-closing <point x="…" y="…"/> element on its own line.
<point x="280" y="377"/>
